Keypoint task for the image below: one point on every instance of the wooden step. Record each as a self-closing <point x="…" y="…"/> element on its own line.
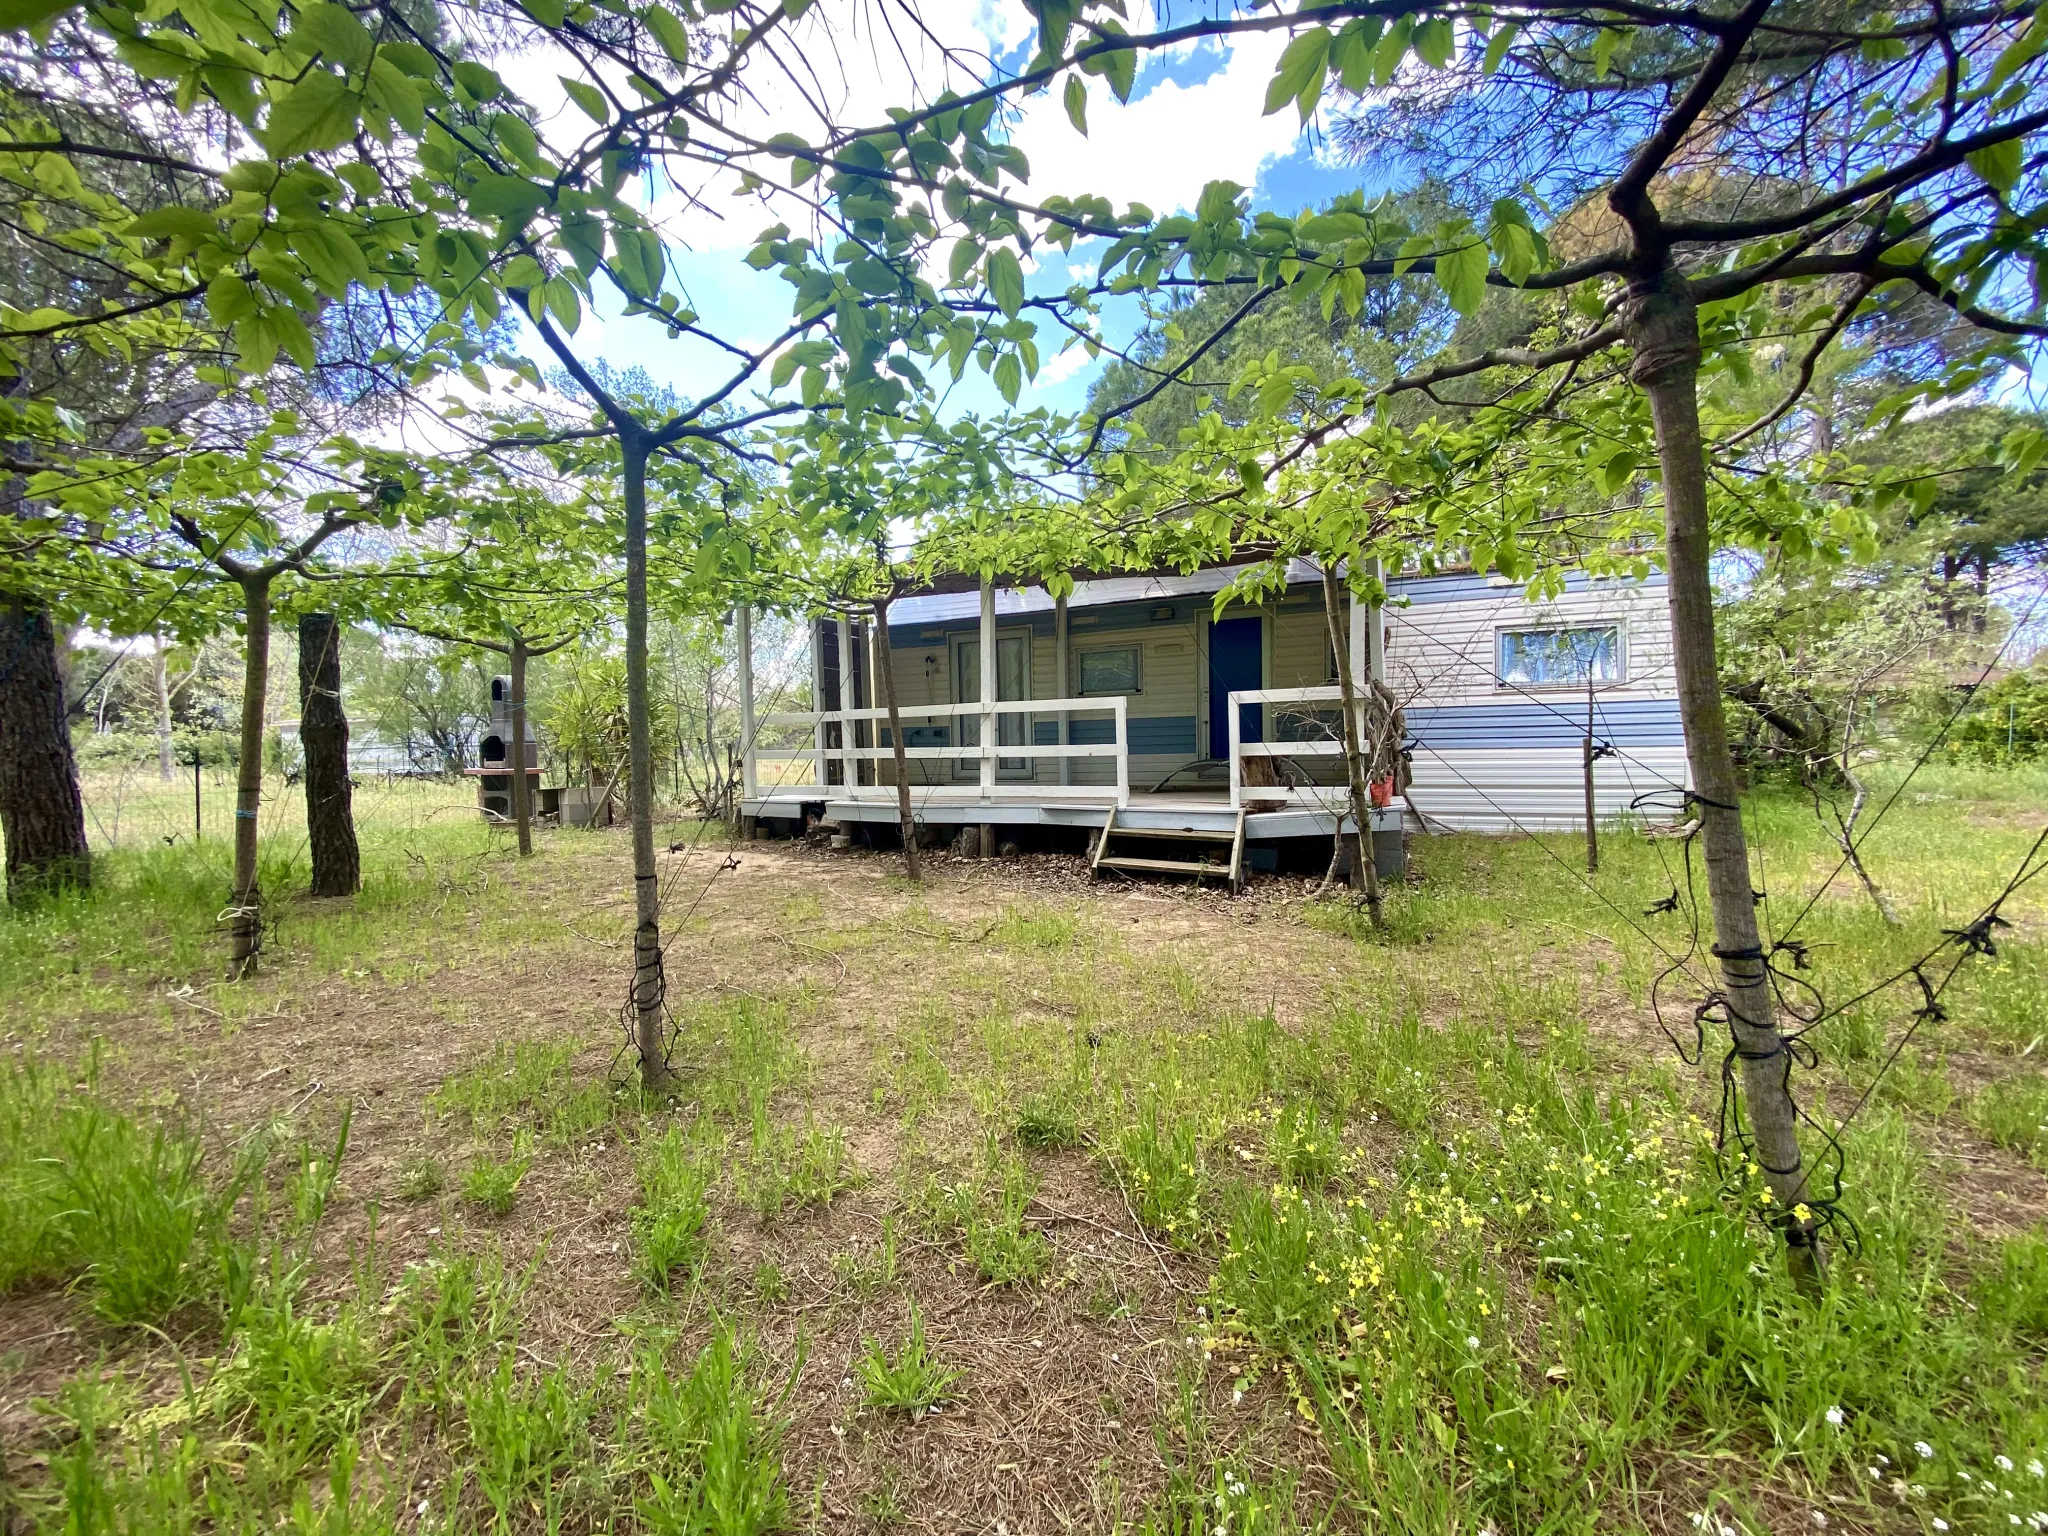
<point x="1193" y="834"/>
<point x="1163" y="866"/>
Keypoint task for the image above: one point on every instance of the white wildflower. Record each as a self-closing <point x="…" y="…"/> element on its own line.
<point x="2003" y="1463"/>
<point x="1938" y="1523"/>
<point x="1924" y="1450"/>
<point x="2035" y="1469"/>
<point x="1471" y="1341"/>
<point x="1834" y="1417"/>
<point x="1820" y="1519"/>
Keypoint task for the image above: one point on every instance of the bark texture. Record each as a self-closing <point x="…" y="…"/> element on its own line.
<point x="245" y="898"/>
<point x="885" y="678"/>
<point x="323" y="731"/>
<point x="522" y="796"/>
<point x="1366" y="870"/>
<point x="160" y="676"/>
<point x="1663" y="330"/>
<point x="650" y="1035"/>
<point x="42" y="814"/>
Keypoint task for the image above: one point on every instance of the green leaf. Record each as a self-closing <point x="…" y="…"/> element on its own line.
<point x="506" y="197"/>
<point x="1009" y="375"/>
<point x="784" y="370"/>
<point x="564" y="303"/>
<point x="966" y="251"/>
<point x="1006" y="281"/>
<point x="320" y="112"/>
<point x="479" y="80"/>
<point x="229" y="299"/>
<point x="2019" y="53"/>
<point x="589" y="98"/>
<point x="668" y="31"/>
<point x="1461" y="273"/>
<point x="1077" y="104"/>
<point x="1351" y="54"/>
<point x="1998" y="164"/>
<point x="1513" y="238"/>
<point x="174" y="223"/>
<point x="1603" y="51"/>
<point x="1120" y="69"/>
<point x="1433" y="42"/>
<point x="1497" y="48"/>
<point x="333" y="31"/>
<point x="873" y="277"/>
<point x="397" y="93"/>
<point x="1304" y="60"/>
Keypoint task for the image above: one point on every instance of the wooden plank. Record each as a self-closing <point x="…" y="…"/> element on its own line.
<point x="1102" y="844"/>
<point x="1237" y="854"/>
<point x="1192" y="834"/>
<point x="1162" y="866"/>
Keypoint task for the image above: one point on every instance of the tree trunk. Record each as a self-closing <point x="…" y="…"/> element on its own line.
<point x="1366" y="871"/>
<point x="160" y="675"/>
<point x="885" y="678"/>
<point x="323" y="732"/>
<point x="42" y="814"/>
<point x="1592" y="825"/>
<point x="1664" y="338"/>
<point x="245" y="899"/>
<point x="1950" y="566"/>
<point x="522" y="796"/>
<point x="650" y="1036"/>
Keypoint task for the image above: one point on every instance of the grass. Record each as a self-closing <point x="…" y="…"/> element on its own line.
<point x="1205" y="1215"/>
<point x="492" y="1183"/>
<point x="911" y="1379"/>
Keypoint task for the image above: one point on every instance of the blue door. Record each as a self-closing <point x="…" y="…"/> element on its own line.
<point x="1236" y="663"/>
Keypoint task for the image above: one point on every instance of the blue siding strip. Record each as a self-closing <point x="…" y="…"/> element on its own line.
<point x="1161" y="736"/>
<point x="1152" y="736"/>
<point x="1625" y="722"/>
<point x="1419" y="590"/>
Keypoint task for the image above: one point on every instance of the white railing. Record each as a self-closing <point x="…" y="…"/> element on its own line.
<point x="1322" y="796"/>
<point x="985" y="750"/>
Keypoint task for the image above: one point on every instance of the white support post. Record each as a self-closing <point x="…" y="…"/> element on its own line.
<point x="818" y="774"/>
<point x="1236" y="750"/>
<point x="849" y="774"/>
<point x="988" y="690"/>
<point x="1061" y="687"/>
<point x="1123" y="751"/>
<point x="1376" y="634"/>
<point x="743" y="642"/>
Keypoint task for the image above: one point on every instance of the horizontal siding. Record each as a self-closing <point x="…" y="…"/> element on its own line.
<point x="1447" y="652"/>
<point x="1543" y="788"/>
<point x="1528" y="723"/>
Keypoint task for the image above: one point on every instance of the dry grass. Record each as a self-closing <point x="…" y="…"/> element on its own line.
<point x="923" y="1026"/>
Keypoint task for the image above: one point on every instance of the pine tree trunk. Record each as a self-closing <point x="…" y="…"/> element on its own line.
<point x="160" y="675"/>
<point x="522" y="791"/>
<point x="1664" y="338"/>
<point x="245" y="899"/>
<point x="885" y="676"/>
<point x="323" y="731"/>
<point x="1368" y="874"/>
<point x="42" y="814"/>
<point x="649" y="1008"/>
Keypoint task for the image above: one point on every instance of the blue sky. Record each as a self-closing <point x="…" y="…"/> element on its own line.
<point x="1193" y="116"/>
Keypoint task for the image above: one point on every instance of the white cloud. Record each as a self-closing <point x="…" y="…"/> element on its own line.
<point x="1164" y="147"/>
<point x="1063" y="366"/>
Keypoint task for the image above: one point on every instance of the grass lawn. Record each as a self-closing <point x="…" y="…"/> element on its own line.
<point x="1008" y="1204"/>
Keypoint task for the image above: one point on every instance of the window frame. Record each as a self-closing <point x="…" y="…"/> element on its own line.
<point x="1082" y="652"/>
<point x="1621" y="678"/>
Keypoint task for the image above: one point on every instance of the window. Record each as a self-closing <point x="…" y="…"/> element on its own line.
<point x="1562" y="657"/>
<point x="1108" y="669"/>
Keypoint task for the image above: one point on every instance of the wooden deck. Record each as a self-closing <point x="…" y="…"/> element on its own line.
<point x="959" y="805"/>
